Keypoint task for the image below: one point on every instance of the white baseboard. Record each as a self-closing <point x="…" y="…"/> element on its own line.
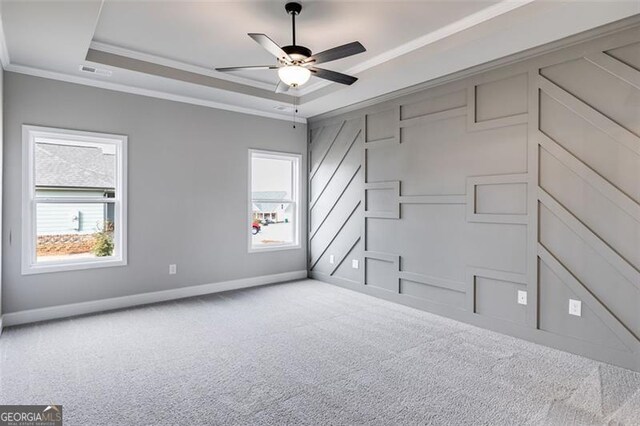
<point x="62" y="311"/>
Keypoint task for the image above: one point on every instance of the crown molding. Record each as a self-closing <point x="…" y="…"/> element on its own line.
<point x="460" y="25"/>
<point x="4" y="52"/>
<point x="36" y="72"/>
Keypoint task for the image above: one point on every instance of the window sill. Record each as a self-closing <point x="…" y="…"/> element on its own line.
<point x="274" y="248"/>
<point x="44" y="268"/>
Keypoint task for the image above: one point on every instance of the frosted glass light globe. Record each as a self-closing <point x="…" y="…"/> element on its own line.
<point x="294" y="75"/>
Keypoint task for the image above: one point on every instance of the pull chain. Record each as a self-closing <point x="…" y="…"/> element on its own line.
<point x="295" y="111"/>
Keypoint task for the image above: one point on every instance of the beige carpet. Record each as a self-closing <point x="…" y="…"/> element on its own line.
<point x="302" y="353"/>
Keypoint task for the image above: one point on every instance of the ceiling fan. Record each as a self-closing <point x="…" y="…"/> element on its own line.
<point x="296" y="64"/>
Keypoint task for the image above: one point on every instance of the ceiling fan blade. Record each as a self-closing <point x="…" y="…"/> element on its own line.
<point x="271" y="46"/>
<point x="282" y="87"/>
<point x="333" y="76"/>
<point x="256" y="67"/>
<point x="339" y="52"/>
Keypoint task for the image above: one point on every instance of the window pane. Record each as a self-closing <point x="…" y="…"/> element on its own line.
<point x="67" y="231"/>
<point x="271" y="179"/>
<point x="74" y="169"/>
<point x="273" y="200"/>
<point x="273" y="226"/>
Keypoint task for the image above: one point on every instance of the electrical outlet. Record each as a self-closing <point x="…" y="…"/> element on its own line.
<point x="355" y="264"/>
<point x="332" y="259"/>
<point x="575" y="307"/>
<point x="173" y="269"/>
<point x="522" y="297"/>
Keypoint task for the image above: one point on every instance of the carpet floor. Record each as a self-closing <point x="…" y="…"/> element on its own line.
<point x="302" y="353"/>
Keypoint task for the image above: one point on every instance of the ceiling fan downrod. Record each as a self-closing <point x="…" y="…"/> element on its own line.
<point x="293" y="9"/>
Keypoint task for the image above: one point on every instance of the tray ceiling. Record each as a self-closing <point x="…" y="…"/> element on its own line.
<point x="169" y="49"/>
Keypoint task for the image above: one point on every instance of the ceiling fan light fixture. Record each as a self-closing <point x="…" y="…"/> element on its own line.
<point x="294" y="75"/>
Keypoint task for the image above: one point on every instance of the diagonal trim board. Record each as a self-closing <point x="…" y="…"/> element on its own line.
<point x="355" y="173"/>
<point x="319" y="256"/>
<point x="607" y="317"/>
<point x="602" y="122"/>
<point x="346" y="255"/>
<point x="350" y="145"/>
<point x="602" y="185"/>
<point x="616" y="68"/>
<point x="333" y="138"/>
<point x="588" y="236"/>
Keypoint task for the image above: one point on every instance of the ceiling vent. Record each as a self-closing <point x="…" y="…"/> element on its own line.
<point x="283" y="108"/>
<point x="94" y="70"/>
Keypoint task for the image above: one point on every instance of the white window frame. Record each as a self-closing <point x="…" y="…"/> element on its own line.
<point x="295" y="198"/>
<point x="29" y="201"/>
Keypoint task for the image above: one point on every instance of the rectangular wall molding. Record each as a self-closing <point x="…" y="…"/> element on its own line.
<point x="393" y="119"/>
<point x="473" y="125"/>
<point x="474" y="181"/>
<point x="434" y="281"/>
<point x="433" y="199"/>
<point x="393" y="212"/>
<point x="473" y="272"/>
<point x="436" y="116"/>
<point x="452" y="187"/>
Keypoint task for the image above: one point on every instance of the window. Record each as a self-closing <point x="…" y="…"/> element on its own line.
<point x="274" y="218"/>
<point x="73" y="200"/>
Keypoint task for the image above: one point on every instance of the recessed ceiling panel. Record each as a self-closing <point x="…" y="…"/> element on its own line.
<point x="214" y="34"/>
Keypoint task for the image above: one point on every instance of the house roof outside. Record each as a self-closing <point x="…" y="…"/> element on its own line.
<point x="72" y="166"/>
<point x="268" y="195"/>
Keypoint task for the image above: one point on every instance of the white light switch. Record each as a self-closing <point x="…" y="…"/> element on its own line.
<point x="355" y="264"/>
<point x="332" y="259"/>
<point x="522" y="297"/>
<point x="575" y="307"/>
<point x="173" y="269"/>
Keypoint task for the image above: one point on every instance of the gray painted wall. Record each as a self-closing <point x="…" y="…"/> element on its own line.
<point x="1" y="181"/>
<point x="187" y="165"/>
<point x="525" y="177"/>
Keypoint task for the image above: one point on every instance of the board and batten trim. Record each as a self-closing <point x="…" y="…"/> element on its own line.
<point x="82" y="308"/>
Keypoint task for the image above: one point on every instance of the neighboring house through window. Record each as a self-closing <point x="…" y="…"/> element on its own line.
<point x="74" y="212"/>
<point x="274" y="193"/>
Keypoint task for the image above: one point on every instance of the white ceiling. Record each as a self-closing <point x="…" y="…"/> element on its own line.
<point x="408" y="42"/>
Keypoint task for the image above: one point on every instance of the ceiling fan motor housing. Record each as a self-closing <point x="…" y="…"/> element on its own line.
<point x="293" y="8"/>
<point x="297" y="53"/>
